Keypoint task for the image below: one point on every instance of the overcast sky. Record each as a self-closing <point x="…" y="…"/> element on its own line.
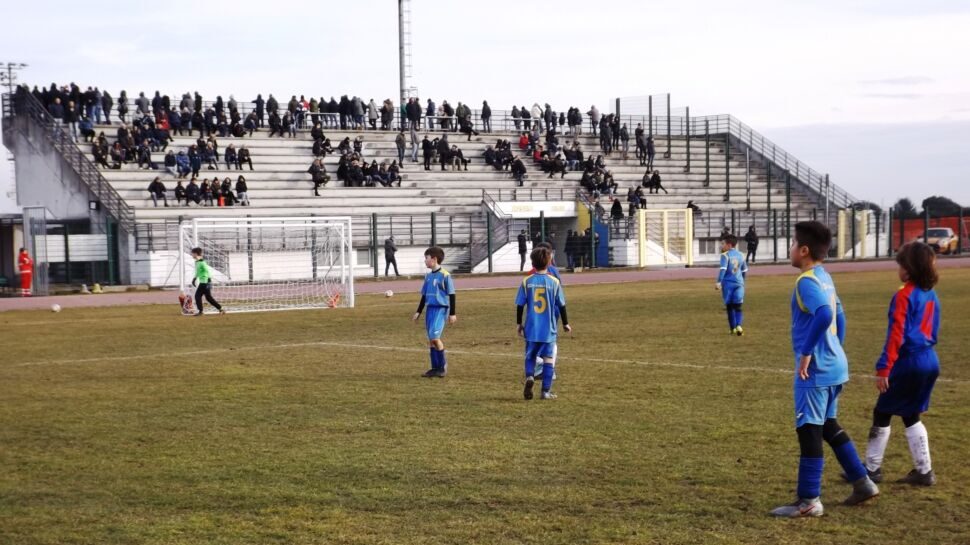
<point x="874" y="92"/>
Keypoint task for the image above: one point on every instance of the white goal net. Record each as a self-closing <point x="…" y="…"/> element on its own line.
<point x="263" y="264"/>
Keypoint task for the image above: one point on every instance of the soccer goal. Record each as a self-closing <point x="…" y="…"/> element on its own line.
<point x="263" y="264"/>
<point x="666" y="237"/>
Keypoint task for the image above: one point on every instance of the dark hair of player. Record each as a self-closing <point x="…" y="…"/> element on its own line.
<point x="196" y="251"/>
<point x="541" y="256"/>
<point x="919" y="260"/>
<point x="436" y="253"/>
<point x="730" y="239"/>
<point x="815" y="236"/>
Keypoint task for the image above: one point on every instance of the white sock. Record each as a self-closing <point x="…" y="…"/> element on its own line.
<point x="878" y="439"/>
<point x="919" y="447"/>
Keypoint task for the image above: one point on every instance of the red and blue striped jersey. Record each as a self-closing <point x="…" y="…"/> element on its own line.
<point x="914" y="321"/>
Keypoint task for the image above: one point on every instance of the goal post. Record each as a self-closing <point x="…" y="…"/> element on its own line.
<point x="665" y="237"/>
<point x="265" y="264"/>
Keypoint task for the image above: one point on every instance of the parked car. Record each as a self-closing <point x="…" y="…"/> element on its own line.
<point x="941" y="239"/>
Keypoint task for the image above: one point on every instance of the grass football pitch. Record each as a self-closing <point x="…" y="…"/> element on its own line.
<point x="133" y="425"/>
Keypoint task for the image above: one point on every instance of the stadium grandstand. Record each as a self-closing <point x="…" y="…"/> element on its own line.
<point x="91" y="217"/>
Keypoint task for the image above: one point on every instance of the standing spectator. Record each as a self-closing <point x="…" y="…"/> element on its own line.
<point x="319" y="176"/>
<point x="616" y="213"/>
<point x="25" y="266"/>
<point x="641" y="143"/>
<point x="372" y="115"/>
<point x="428" y="150"/>
<point x="400" y="142"/>
<point x="71" y="117"/>
<point x="751" y="237"/>
<point x="260" y="109"/>
<point x="516" y="118"/>
<point x="625" y="141"/>
<point x="444" y="151"/>
<point x="486" y="117"/>
<point x="57" y="112"/>
<point x="537" y="116"/>
<point x="415" y="143"/>
<point x="106" y="103"/>
<point x="430" y="113"/>
<point x="123" y="106"/>
<point x="157" y="190"/>
<point x="389" y="250"/>
<point x="522" y="239"/>
<point x="242" y="191"/>
<point x="518" y="171"/>
<point x="594" y="118"/>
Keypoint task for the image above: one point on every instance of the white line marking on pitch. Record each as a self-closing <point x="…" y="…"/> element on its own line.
<point x="357" y="346"/>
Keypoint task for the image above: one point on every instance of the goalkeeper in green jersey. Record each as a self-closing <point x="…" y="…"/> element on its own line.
<point x="203" y="282"/>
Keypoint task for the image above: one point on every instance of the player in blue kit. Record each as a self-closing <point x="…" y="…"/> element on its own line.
<point x="438" y="293"/>
<point x="542" y="300"/>
<point x="730" y="281"/>
<point x="908" y="367"/>
<point x="821" y="368"/>
<point x="554" y="272"/>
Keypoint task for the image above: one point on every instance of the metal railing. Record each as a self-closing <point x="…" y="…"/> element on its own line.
<point x="25" y="104"/>
<point x="528" y="194"/>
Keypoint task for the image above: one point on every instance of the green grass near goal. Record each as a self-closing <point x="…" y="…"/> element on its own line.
<point x="134" y="425"/>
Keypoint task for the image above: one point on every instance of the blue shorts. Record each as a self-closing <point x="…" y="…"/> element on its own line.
<point x="910" y="384"/>
<point x="733" y="294"/>
<point x="435" y="319"/>
<point x="535" y="350"/>
<point x="816" y="405"/>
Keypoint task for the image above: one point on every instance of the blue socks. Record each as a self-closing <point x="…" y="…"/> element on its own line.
<point x="810" y="476"/>
<point x="850" y="462"/>
<point x="442" y="362"/>
<point x="737" y="317"/>
<point x="732" y="323"/>
<point x="434" y="358"/>
<point x="547" y="373"/>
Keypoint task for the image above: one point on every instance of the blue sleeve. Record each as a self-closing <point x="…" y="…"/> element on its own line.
<point x="821" y="320"/>
<point x="744" y="267"/>
<point x="521" y="298"/>
<point x="560" y="297"/>
<point x="449" y="285"/>
<point x="724" y="264"/>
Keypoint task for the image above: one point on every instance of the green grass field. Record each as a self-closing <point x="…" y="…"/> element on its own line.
<point x="132" y="425"/>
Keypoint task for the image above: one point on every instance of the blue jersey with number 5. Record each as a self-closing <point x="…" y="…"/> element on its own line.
<point x="541" y="294"/>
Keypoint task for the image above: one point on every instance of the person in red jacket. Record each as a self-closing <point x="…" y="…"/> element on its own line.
<point x="25" y="266"/>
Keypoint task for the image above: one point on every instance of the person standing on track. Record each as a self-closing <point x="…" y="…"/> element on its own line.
<point x="25" y="265"/>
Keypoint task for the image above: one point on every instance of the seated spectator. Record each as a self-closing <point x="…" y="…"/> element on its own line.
<point x="184" y="165"/>
<point x="87" y="129"/>
<point x="231" y="158"/>
<point x="242" y="193"/>
<point x="557" y="165"/>
<point x="321" y="147"/>
<point x="157" y="191"/>
<point x="316" y="132"/>
<point x="225" y="192"/>
<point x="275" y="124"/>
<point x="206" y="190"/>
<point x="318" y="175"/>
<point x="210" y="157"/>
<point x="180" y="194"/>
<point x="344" y="146"/>
<point x="243" y="158"/>
<point x="237" y="130"/>
<point x="252" y="123"/>
<point x="524" y="142"/>
<point x="458" y="158"/>
<point x="145" y="156"/>
<point x="394" y="174"/>
<point x="694" y="207"/>
<point x="655" y="184"/>
<point x="466" y="127"/>
<point x="359" y="145"/>
<point x="100" y="155"/>
<point x="489" y="156"/>
<point x="289" y="125"/>
<point x="117" y="156"/>
<point x="193" y="193"/>
<point x="634" y="201"/>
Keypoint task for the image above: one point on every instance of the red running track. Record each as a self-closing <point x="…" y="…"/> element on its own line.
<point x="464" y="282"/>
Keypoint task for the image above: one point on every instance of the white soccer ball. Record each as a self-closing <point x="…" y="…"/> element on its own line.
<point x="388" y="293"/>
<point x="55" y="308"/>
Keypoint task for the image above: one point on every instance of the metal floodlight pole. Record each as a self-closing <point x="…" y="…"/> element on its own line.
<point x="8" y="77"/>
<point x="400" y="44"/>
